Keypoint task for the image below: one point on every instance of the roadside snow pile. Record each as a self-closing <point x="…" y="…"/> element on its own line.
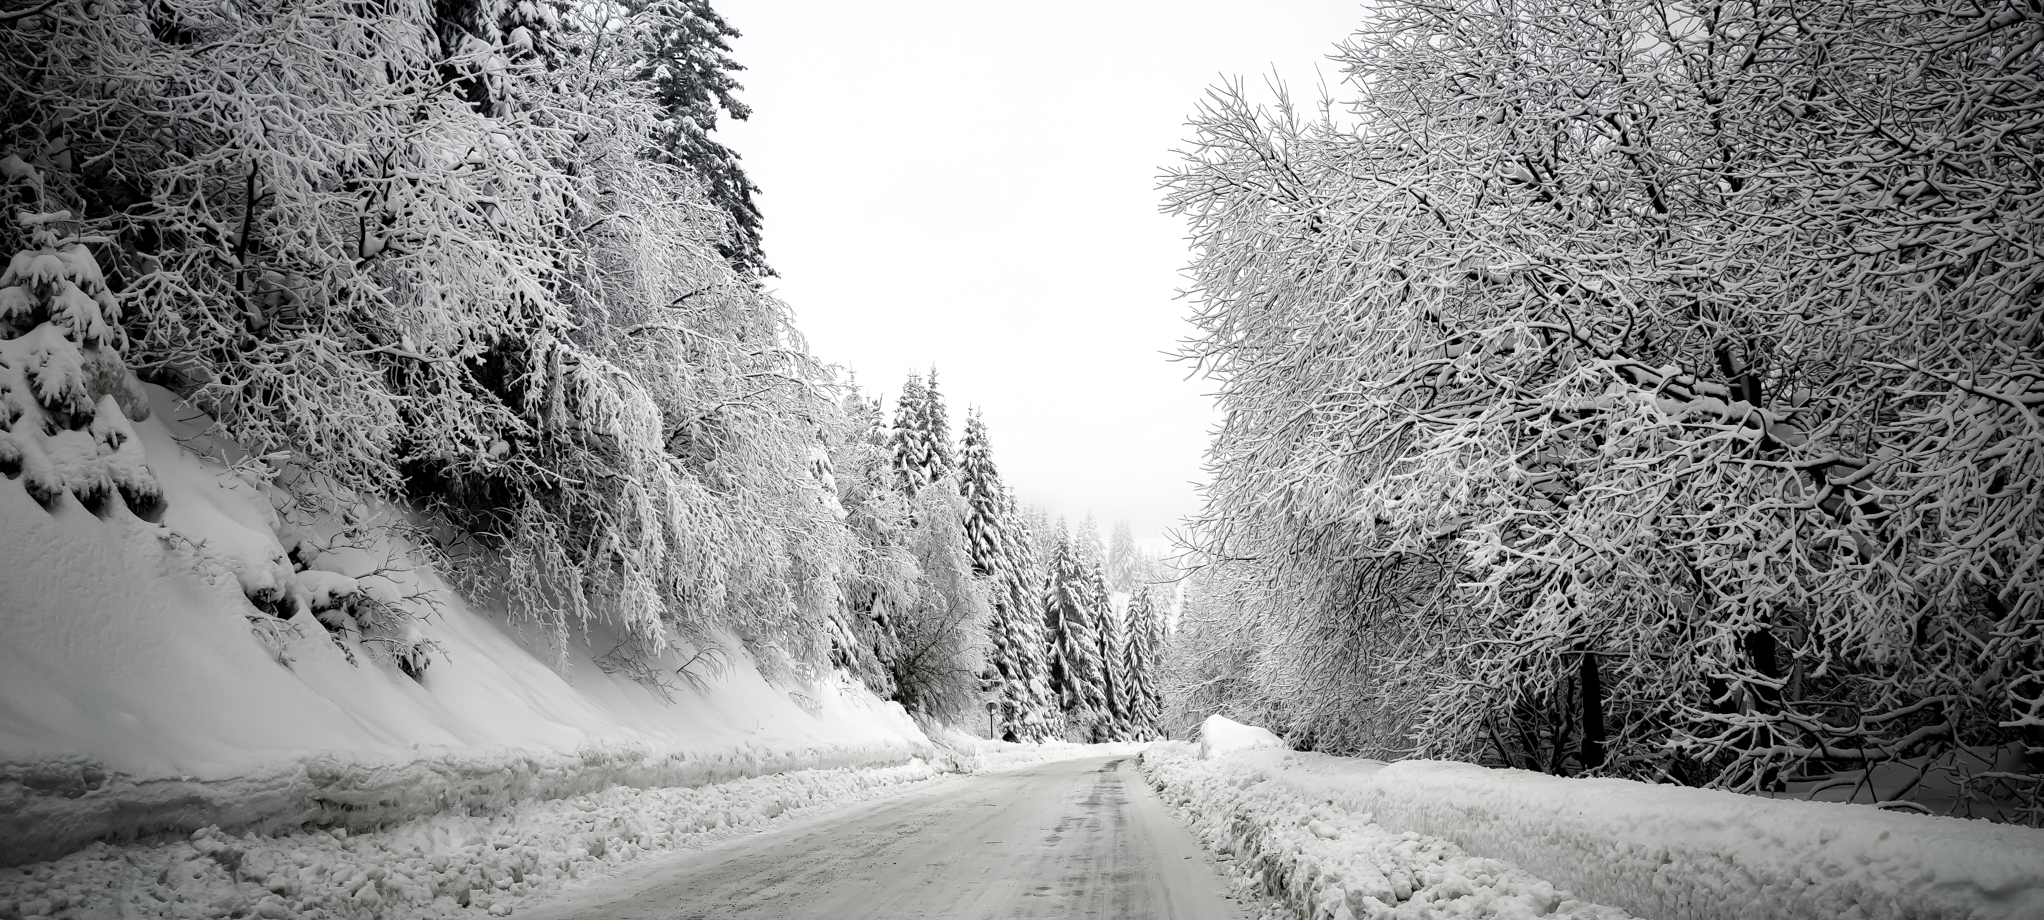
<point x="973" y="754"/>
<point x="1331" y="863"/>
<point x="1666" y="852"/>
<point x="1220" y="735"/>
<point x="447" y="865"/>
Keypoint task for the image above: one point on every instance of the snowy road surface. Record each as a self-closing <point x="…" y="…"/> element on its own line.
<point x="1074" y="838"/>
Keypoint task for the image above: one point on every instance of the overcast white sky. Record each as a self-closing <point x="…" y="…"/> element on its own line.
<point x="973" y="185"/>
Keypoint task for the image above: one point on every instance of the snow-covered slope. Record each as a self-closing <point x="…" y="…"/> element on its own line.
<point x="1667" y="852"/>
<point x="135" y="697"/>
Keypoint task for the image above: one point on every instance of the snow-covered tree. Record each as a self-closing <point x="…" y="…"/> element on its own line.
<point x="1032" y="712"/>
<point x="942" y="630"/>
<point x="1069" y="615"/>
<point x="66" y="396"/>
<point x="921" y="438"/>
<point x="1144" y="660"/>
<point x="992" y="533"/>
<point x="1124" y="561"/>
<point x="688" y="62"/>
<point x="1114" y="677"/>
<point x="1648" y="398"/>
<point x="878" y="572"/>
<point x="1086" y="544"/>
<point x="907" y="439"/>
<point x="936" y="428"/>
<point x="431" y="254"/>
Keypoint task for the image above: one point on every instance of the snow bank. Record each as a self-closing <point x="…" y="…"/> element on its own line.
<point x="443" y="866"/>
<point x="974" y="754"/>
<point x="1666" y="852"/>
<point x="142" y="692"/>
<point x="1220" y="735"/>
<point x="1329" y="862"/>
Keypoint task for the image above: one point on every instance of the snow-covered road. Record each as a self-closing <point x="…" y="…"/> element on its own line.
<point x="1069" y="839"/>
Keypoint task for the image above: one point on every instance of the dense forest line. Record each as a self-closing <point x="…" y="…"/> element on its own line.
<point x="484" y="261"/>
<point x="1648" y="389"/>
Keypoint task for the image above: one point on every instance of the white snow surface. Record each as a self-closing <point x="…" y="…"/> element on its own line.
<point x="1331" y="862"/>
<point x="135" y="700"/>
<point x="1317" y="822"/>
<point x="440" y="866"/>
<point x="1220" y="736"/>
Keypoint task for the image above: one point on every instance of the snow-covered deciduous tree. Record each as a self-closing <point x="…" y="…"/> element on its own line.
<point x="433" y="255"/>
<point x="1621" y="388"/>
<point x="877" y="572"/>
<point x="942" y="631"/>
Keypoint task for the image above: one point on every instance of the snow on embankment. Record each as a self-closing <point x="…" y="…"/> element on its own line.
<point x="142" y="692"/>
<point x="439" y="866"/>
<point x="1670" y="853"/>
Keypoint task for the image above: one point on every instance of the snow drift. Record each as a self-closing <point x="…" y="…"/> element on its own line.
<point x="1220" y="736"/>
<point x="1668" y="852"/>
<point x="215" y="668"/>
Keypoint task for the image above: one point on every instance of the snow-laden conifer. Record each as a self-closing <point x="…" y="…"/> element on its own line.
<point x="908" y="439"/>
<point x="1034" y="713"/>
<point x="1144" y="659"/>
<point x="66" y="396"/>
<point x="1124" y="560"/>
<point x="940" y="458"/>
<point x="1114" y="676"/>
<point x="1069" y="614"/>
<point x="1016" y="653"/>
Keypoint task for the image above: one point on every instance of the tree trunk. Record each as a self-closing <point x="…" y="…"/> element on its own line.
<point x="1593" y="713"/>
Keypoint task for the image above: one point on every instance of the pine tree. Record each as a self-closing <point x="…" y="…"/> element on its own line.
<point x="1123" y="560"/>
<point x="1016" y="631"/>
<point x="1033" y="711"/>
<point x="1109" y="633"/>
<point x="921" y="439"/>
<point x="66" y="397"/>
<point x="1086" y="542"/>
<point x="1145" y="652"/>
<point x="906" y="442"/>
<point x="1076" y="668"/>
<point x="936" y="432"/>
<point x="689" y="66"/>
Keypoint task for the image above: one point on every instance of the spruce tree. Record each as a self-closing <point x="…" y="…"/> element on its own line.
<point x="1017" y="661"/>
<point x="1145" y="651"/>
<point x="980" y="483"/>
<point x="906" y="443"/>
<point x="66" y="397"/>
<point x="1086" y="542"/>
<point x="689" y="67"/>
<point x="1076" y="670"/>
<point x="936" y="424"/>
<point x="1109" y="634"/>
<point x="1123" y="561"/>
<point x="1035" y="710"/>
